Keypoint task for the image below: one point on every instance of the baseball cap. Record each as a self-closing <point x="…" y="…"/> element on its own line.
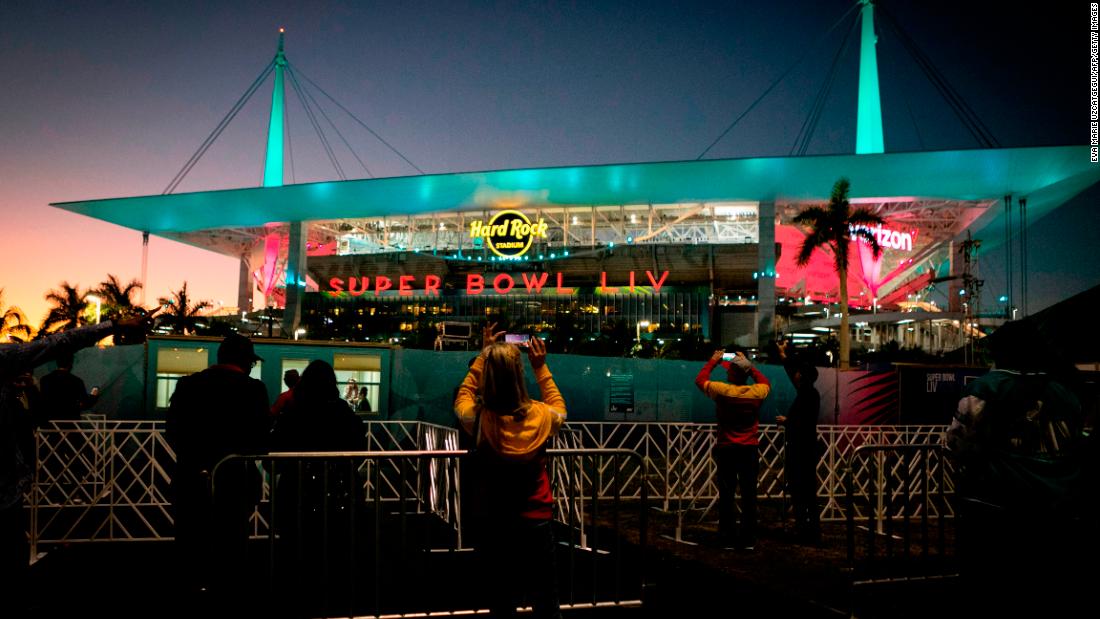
<point x="237" y="347"/>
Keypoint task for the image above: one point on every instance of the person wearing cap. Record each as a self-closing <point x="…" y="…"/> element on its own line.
<point x="214" y="413"/>
<point x="737" y="408"/>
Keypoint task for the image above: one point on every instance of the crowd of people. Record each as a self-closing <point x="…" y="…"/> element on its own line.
<point x="1018" y="440"/>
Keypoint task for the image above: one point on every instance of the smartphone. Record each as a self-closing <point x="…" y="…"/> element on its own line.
<point x="728" y="356"/>
<point x="519" y="339"/>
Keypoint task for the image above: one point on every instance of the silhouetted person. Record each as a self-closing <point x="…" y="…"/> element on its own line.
<point x="63" y="393"/>
<point x="737" y="408"/>
<point x="801" y="449"/>
<point x="514" y="504"/>
<point x="290" y="378"/>
<point x="363" y="405"/>
<point x="313" y="508"/>
<point x="1026" y="539"/>
<point x="17" y="425"/>
<point x="214" y="413"/>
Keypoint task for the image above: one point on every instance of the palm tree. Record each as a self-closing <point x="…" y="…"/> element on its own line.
<point x="830" y="228"/>
<point x="68" y="311"/>
<point x="116" y="295"/>
<point x="180" y="312"/>
<point x="13" y="324"/>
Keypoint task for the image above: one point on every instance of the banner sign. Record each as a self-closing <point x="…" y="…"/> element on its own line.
<point x="500" y="283"/>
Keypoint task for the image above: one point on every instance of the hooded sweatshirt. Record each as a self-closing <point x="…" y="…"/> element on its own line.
<point x="512" y="474"/>
<point x="737" y="407"/>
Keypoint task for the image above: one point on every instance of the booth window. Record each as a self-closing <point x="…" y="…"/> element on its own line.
<point x="175" y="363"/>
<point x="359" y="377"/>
<point x="292" y="364"/>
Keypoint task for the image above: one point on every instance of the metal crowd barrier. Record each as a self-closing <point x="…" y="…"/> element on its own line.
<point x="341" y="541"/>
<point x="107" y="480"/>
<point x="680" y="472"/>
<point x="899" y="489"/>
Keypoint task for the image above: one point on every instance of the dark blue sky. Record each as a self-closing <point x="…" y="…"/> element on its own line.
<point x="106" y="99"/>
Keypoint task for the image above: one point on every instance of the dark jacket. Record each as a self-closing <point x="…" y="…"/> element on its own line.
<point x="801" y="426"/>
<point x="214" y="413"/>
<point x="64" y="396"/>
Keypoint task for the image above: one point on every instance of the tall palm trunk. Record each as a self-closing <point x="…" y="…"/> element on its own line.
<point x="845" y="335"/>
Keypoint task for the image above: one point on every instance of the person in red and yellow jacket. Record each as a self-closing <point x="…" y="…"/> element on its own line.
<point x="737" y="407"/>
<point x="512" y="487"/>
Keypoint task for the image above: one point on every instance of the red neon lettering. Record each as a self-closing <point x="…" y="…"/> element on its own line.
<point x="431" y="284"/>
<point x="381" y="284"/>
<point x="658" y="283"/>
<point x="508" y="278"/>
<point x="535" y="283"/>
<point x="563" y="290"/>
<point x="474" y="283"/>
<point x="632" y="281"/>
<point x="365" y="281"/>
<point x="603" y="284"/>
<point x="337" y="286"/>
<point x="404" y="285"/>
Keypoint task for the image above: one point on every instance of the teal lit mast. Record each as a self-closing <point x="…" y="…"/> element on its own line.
<point x="869" y="117"/>
<point x="273" y="177"/>
<point x="273" y="165"/>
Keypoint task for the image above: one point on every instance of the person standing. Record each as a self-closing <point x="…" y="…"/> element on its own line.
<point x="214" y="413"/>
<point x="64" y="396"/>
<point x="314" y="511"/>
<point x="18" y="422"/>
<point x="514" y="500"/>
<point x="737" y="408"/>
<point x="800" y="449"/>
<point x="290" y="378"/>
<point x="1025" y="480"/>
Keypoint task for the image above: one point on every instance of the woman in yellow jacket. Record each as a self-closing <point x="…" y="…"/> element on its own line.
<point x="513" y="501"/>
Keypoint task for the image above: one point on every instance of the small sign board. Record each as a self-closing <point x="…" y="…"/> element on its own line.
<point x="622" y="394"/>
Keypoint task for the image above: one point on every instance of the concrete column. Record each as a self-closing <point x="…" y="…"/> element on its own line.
<point x="765" y="281"/>
<point x="244" y="285"/>
<point x="295" y="277"/>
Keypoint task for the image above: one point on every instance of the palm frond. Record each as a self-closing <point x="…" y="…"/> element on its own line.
<point x="815" y="239"/>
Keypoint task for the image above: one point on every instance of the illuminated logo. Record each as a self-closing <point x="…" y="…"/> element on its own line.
<point x="509" y="233"/>
<point x="888" y="239"/>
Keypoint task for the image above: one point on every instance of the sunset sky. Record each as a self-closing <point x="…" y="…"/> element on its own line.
<point x="110" y="99"/>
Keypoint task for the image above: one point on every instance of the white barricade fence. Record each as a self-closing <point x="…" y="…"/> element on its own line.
<point x="108" y="480"/>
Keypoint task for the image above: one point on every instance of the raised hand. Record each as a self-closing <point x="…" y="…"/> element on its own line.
<point x="536" y="352"/>
<point x="489" y="334"/>
<point x="133" y="328"/>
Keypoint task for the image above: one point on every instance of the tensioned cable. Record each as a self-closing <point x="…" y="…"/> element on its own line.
<point x="361" y="123"/>
<point x="210" y="139"/>
<point x="962" y="110"/>
<point x="913" y="119"/>
<point x="317" y="128"/>
<point x="777" y="81"/>
<point x="332" y="124"/>
<point x="806" y="132"/>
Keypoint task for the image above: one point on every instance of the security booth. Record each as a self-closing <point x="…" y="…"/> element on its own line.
<point x="362" y="369"/>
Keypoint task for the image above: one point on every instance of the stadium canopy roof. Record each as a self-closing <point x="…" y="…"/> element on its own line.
<point x="1046" y="176"/>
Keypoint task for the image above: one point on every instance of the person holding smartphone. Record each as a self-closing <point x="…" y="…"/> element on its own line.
<point x="512" y="497"/>
<point x="737" y="408"/>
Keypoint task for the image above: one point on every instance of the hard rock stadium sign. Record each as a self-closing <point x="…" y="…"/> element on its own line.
<point x="476" y="283"/>
<point x="508" y="233"/>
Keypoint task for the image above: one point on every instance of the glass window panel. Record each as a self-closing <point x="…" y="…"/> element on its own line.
<point x="182" y="361"/>
<point x="343" y="361"/>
